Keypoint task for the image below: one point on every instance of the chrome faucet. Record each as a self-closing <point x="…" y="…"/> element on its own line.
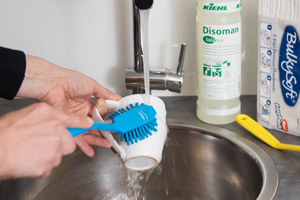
<point x="160" y="79"/>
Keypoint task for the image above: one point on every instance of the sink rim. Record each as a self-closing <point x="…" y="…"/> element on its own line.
<point x="265" y="162"/>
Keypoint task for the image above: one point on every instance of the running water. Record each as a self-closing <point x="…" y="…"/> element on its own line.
<point x="144" y="16"/>
<point x="132" y="189"/>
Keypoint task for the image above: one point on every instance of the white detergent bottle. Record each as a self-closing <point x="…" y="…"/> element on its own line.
<point x="219" y="60"/>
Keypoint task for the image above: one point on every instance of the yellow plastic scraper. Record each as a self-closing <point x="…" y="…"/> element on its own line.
<point x="260" y="132"/>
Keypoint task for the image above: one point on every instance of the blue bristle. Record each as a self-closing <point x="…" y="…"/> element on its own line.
<point x="151" y="127"/>
<point x="134" y="132"/>
<point x="154" y="124"/>
<point x="147" y="131"/>
<point x="114" y="114"/>
<point x="125" y="136"/>
<point x="130" y="137"/>
<point x="141" y="132"/>
<point x="154" y="121"/>
<point x="150" y="133"/>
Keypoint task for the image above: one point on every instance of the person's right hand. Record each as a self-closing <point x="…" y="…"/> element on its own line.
<point x="34" y="139"/>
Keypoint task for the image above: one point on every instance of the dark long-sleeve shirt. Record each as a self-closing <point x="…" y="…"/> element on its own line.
<point x="12" y="72"/>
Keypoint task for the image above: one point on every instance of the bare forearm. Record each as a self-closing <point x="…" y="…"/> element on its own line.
<point x="37" y="76"/>
<point x="4" y="164"/>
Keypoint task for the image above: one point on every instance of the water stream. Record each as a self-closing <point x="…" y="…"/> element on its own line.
<point x="133" y="187"/>
<point x="132" y="190"/>
<point x="144" y="17"/>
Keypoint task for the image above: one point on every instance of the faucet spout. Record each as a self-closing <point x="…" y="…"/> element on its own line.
<point x="160" y="79"/>
<point x="144" y="4"/>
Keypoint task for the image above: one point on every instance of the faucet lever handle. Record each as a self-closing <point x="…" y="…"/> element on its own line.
<point x="181" y="58"/>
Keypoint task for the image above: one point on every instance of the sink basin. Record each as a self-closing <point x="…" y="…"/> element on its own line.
<point x="199" y="161"/>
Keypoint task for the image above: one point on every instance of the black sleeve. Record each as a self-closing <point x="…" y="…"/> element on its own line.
<point x="12" y="72"/>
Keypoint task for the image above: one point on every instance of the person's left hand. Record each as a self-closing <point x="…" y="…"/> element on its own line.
<point x="69" y="91"/>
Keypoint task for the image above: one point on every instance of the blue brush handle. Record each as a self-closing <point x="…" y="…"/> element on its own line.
<point x="97" y="125"/>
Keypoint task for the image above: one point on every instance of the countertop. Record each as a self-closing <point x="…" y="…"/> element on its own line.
<point x="184" y="108"/>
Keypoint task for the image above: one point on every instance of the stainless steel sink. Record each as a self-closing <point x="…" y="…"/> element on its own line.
<point x="199" y="162"/>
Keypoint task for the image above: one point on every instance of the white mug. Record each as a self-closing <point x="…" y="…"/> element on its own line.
<point x="145" y="154"/>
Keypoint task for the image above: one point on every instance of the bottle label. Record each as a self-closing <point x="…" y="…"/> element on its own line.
<point x="221" y="61"/>
<point x="228" y="7"/>
<point x="221" y="112"/>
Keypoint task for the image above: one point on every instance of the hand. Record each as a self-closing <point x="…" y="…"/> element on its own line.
<point x="34" y="139"/>
<point x="67" y="90"/>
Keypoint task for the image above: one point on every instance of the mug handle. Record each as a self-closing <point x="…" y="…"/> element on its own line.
<point x="112" y="105"/>
<point x="107" y="134"/>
